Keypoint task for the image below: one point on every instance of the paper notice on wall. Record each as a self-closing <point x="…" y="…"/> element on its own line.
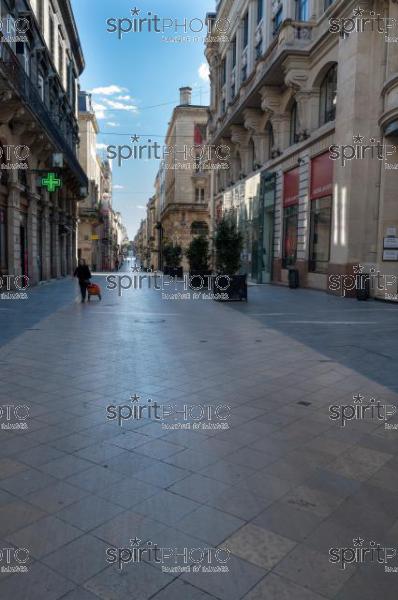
<point x="391" y="231"/>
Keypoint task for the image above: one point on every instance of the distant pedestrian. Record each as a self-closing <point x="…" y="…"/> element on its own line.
<point x="116" y="265"/>
<point x="84" y="275"/>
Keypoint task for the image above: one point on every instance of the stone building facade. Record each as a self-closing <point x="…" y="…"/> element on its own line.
<point x="41" y="178"/>
<point x="184" y="207"/>
<point x="296" y="87"/>
<point x="90" y="228"/>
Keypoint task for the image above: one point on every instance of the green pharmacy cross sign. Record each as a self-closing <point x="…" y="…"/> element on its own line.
<point x="51" y="182"/>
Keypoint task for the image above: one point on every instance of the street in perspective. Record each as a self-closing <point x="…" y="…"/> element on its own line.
<point x="198" y="300"/>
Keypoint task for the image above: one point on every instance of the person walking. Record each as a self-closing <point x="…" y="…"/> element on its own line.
<point x="83" y="274"/>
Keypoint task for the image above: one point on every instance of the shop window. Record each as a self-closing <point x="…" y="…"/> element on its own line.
<point x="294" y="124"/>
<point x="290" y="222"/>
<point x="328" y="97"/>
<point x="320" y="228"/>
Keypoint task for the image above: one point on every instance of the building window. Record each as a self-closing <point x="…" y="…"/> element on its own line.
<point x="61" y="61"/>
<point x="233" y="49"/>
<point x="260" y="10"/>
<point x="328" y="97"/>
<point x="199" y="228"/>
<point x="270" y="139"/>
<point x="244" y="73"/>
<point x="245" y="30"/>
<point x="223" y="72"/>
<point x="22" y="50"/>
<point x="328" y="3"/>
<point x="290" y="222"/>
<point x="252" y="155"/>
<point x="3" y="241"/>
<point x="232" y="90"/>
<point x="40" y="13"/>
<point x="294" y="124"/>
<point x="199" y="195"/>
<point x="320" y="229"/>
<point x="40" y="86"/>
<point x="302" y="10"/>
<point x="259" y="49"/>
<point x="277" y="21"/>
<point x="51" y="34"/>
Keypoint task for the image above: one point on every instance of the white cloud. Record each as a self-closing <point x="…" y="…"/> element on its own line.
<point x="101" y="146"/>
<point x="204" y="71"/>
<point x="120" y="105"/>
<point x="123" y="98"/>
<point x="109" y="90"/>
<point x="141" y="207"/>
<point x="112" y="124"/>
<point x="118" y="187"/>
<point x="99" y="110"/>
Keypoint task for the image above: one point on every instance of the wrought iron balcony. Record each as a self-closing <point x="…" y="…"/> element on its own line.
<point x="12" y="72"/>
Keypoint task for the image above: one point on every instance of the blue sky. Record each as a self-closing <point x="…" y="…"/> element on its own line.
<point x="131" y="75"/>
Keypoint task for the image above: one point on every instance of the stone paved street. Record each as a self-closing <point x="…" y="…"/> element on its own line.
<point x="278" y="489"/>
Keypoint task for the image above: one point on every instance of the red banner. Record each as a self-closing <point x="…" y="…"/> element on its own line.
<point x="291" y="187"/>
<point x="321" y="176"/>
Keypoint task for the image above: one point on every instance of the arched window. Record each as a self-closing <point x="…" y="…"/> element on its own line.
<point x="328" y="97"/>
<point x="270" y="139"/>
<point x="293" y="124"/>
<point x="237" y="167"/>
<point x="252" y="155"/>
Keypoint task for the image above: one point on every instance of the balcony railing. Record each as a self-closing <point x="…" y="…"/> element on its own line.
<point x="15" y="75"/>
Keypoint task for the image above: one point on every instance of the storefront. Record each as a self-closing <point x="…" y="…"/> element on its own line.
<point x="3" y="240"/>
<point x="291" y="181"/>
<point x="251" y="205"/>
<point x="321" y="195"/>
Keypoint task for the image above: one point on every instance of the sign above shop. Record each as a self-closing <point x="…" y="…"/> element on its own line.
<point x="51" y="182"/>
<point x="321" y="176"/>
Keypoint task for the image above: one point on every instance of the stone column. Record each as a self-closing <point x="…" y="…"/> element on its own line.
<point x="33" y="249"/>
<point x="255" y="121"/>
<point x="55" y="253"/>
<point x="13" y="231"/>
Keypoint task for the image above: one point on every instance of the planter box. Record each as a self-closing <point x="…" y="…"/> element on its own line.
<point x="236" y="291"/>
